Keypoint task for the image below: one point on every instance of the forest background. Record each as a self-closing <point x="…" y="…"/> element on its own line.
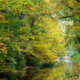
<point x="31" y="32"/>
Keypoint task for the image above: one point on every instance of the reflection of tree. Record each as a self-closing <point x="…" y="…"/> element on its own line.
<point x="56" y="73"/>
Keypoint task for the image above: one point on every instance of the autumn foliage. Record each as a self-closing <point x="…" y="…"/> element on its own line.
<point x="28" y="29"/>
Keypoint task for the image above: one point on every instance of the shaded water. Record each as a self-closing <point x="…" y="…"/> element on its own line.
<point x="56" y="72"/>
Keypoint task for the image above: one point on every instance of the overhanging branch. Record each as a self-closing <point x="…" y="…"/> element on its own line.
<point x="78" y="1"/>
<point x="64" y="17"/>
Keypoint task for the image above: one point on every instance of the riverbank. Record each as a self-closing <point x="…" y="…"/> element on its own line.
<point x="60" y="70"/>
<point x="54" y="71"/>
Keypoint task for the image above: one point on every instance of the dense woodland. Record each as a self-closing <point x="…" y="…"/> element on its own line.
<point x="31" y="32"/>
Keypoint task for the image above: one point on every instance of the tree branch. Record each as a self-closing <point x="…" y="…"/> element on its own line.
<point x="78" y="1"/>
<point x="63" y="17"/>
<point x="32" y="24"/>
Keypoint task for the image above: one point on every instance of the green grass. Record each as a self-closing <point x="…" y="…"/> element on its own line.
<point x="76" y="58"/>
<point x="71" y="55"/>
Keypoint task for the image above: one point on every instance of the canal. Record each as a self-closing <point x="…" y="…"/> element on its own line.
<point x="58" y="71"/>
<point x="55" y="72"/>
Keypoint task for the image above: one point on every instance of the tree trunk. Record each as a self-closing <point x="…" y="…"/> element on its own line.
<point x="32" y="24"/>
<point x="78" y="38"/>
<point x="78" y="50"/>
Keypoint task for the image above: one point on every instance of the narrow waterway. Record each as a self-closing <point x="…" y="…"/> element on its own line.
<point x="56" y="72"/>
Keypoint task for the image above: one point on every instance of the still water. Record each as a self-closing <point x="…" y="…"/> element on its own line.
<point x="56" y="72"/>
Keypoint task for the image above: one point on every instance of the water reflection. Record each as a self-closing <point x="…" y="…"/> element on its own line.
<point x="57" y="73"/>
<point x="64" y="59"/>
<point x="54" y="73"/>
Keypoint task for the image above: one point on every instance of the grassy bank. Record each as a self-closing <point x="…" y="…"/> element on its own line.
<point x="74" y="75"/>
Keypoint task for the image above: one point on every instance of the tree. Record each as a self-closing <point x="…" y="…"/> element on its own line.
<point x="69" y="10"/>
<point x="28" y="29"/>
